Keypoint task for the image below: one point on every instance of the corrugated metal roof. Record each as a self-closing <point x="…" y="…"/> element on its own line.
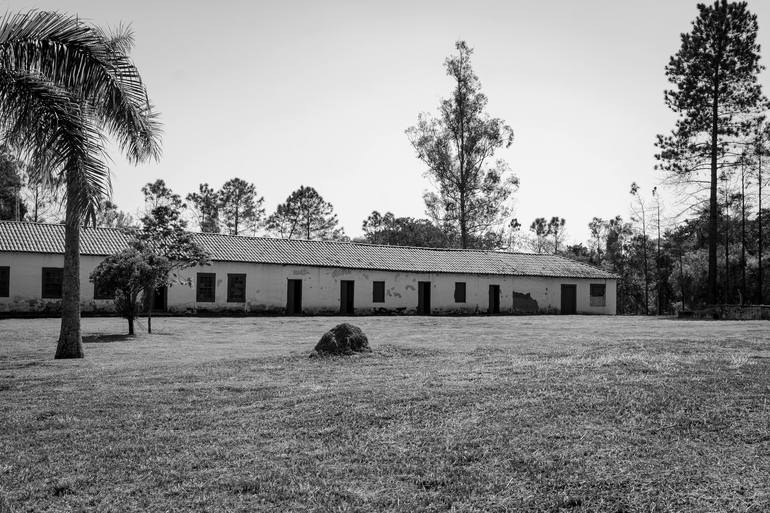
<point x="49" y="238"/>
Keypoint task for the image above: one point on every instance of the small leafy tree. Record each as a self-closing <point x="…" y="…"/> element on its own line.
<point x="305" y="214"/>
<point x="12" y="205"/>
<point x="514" y="230"/>
<point x="164" y="232"/>
<point x="402" y="231"/>
<point x="598" y="229"/>
<point x="128" y="275"/>
<point x="205" y="204"/>
<point x="158" y="194"/>
<point x="239" y="206"/>
<point x="539" y="229"/>
<point x="109" y="216"/>
<point x="556" y="230"/>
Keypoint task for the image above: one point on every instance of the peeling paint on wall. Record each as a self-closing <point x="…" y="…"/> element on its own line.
<point x="300" y="272"/>
<point x="524" y="303"/>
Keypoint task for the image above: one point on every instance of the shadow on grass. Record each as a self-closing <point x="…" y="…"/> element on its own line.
<point x="104" y="339"/>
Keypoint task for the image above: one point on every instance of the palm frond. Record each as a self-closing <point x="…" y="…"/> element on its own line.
<point x="93" y="65"/>
<point x="51" y="126"/>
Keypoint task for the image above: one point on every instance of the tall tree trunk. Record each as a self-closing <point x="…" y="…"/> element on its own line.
<point x="131" y="323"/>
<point x="646" y="278"/>
<point x="646" y="271"/>
<point x="149" y="299"/>
<point x="681" y="274"/>
<point x="760" y="295"/>
<point x="712" y="273"/>
<point x="461" y="154"/>
<point x="726" y="294"/>
<point x="70" y="343"/>
<point x="658" y="277"/>
<point x="743" y="233"/>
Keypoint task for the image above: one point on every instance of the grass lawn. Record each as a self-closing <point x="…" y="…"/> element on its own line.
<point x="538" y="413"/>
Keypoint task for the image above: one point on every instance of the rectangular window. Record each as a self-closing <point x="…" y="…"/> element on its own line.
<point x="5" y="280"/>
<point x="206" y="291"/>
<point x="460" y="292"/>
<point x="52" y="281"/>
<point x="598" y="294"/>
<point x="101" y="292"/>
<point x="236" y="288"/>
<point x="378" y="292"/>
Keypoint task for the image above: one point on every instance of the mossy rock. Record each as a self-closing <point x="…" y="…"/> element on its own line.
<point x="343" y="339"/>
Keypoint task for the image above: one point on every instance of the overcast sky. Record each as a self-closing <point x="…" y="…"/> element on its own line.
<point x="319" y="93"/>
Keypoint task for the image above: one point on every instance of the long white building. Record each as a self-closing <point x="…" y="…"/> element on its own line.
<point x="256" y="275"/>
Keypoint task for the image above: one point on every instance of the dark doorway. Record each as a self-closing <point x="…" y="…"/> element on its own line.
<point x="346" y="297"/>
<point x="160" y="299"/>
<point x="568" y="299"/>
<point x="294" y="297"/>
<point x="494" y="299"/>
<point x="423" y="297"/>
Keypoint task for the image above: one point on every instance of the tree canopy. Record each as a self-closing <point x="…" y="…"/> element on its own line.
<point x="127" y="276"/>
<point x="458" y="148"/>
<point x="715" y="94"/>
<point x="239" y="206"/>
<point x="305" y="214"/>
<point x="402" y="231"/>
<point x="205" y="204"/>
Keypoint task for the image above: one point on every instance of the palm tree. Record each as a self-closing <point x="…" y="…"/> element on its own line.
<point x="64" y="86"/>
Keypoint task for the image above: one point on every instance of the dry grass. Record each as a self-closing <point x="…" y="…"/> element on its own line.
<point x="466" y="414"/>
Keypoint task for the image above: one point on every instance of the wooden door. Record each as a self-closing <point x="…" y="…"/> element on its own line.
<point x="160" y="299"/>
<point x="494" y="299"/>
<point x="568" y="299"/>
<point x="294" y="297"/>
<point x="346" y="297"/>
<point x="423" y="297"/>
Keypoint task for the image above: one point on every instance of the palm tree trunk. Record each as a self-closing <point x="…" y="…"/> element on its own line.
<point x="70" y="344"/>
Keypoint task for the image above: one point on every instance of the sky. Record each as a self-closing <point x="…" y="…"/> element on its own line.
<point x="320" y="93"/>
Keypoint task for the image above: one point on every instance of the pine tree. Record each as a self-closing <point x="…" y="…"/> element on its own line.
<point x="716" y="88"/>
<point x="305" y="214"/>
<point x="239" y="206"/>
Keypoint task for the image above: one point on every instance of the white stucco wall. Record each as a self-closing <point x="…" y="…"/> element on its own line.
<point x="266" y="289"/>
<point x="26" y="283"/>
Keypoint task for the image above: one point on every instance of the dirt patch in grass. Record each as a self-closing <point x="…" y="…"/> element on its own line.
<point x="488" y="414"/>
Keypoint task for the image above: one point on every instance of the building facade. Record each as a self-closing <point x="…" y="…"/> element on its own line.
<point x="255" y="275"/>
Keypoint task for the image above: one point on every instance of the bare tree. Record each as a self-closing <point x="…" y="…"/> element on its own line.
<point x="639" y="212"/>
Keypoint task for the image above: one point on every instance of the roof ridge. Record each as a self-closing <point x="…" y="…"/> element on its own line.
<point x="351" y="243"/>
<point x="357" y="243"/>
